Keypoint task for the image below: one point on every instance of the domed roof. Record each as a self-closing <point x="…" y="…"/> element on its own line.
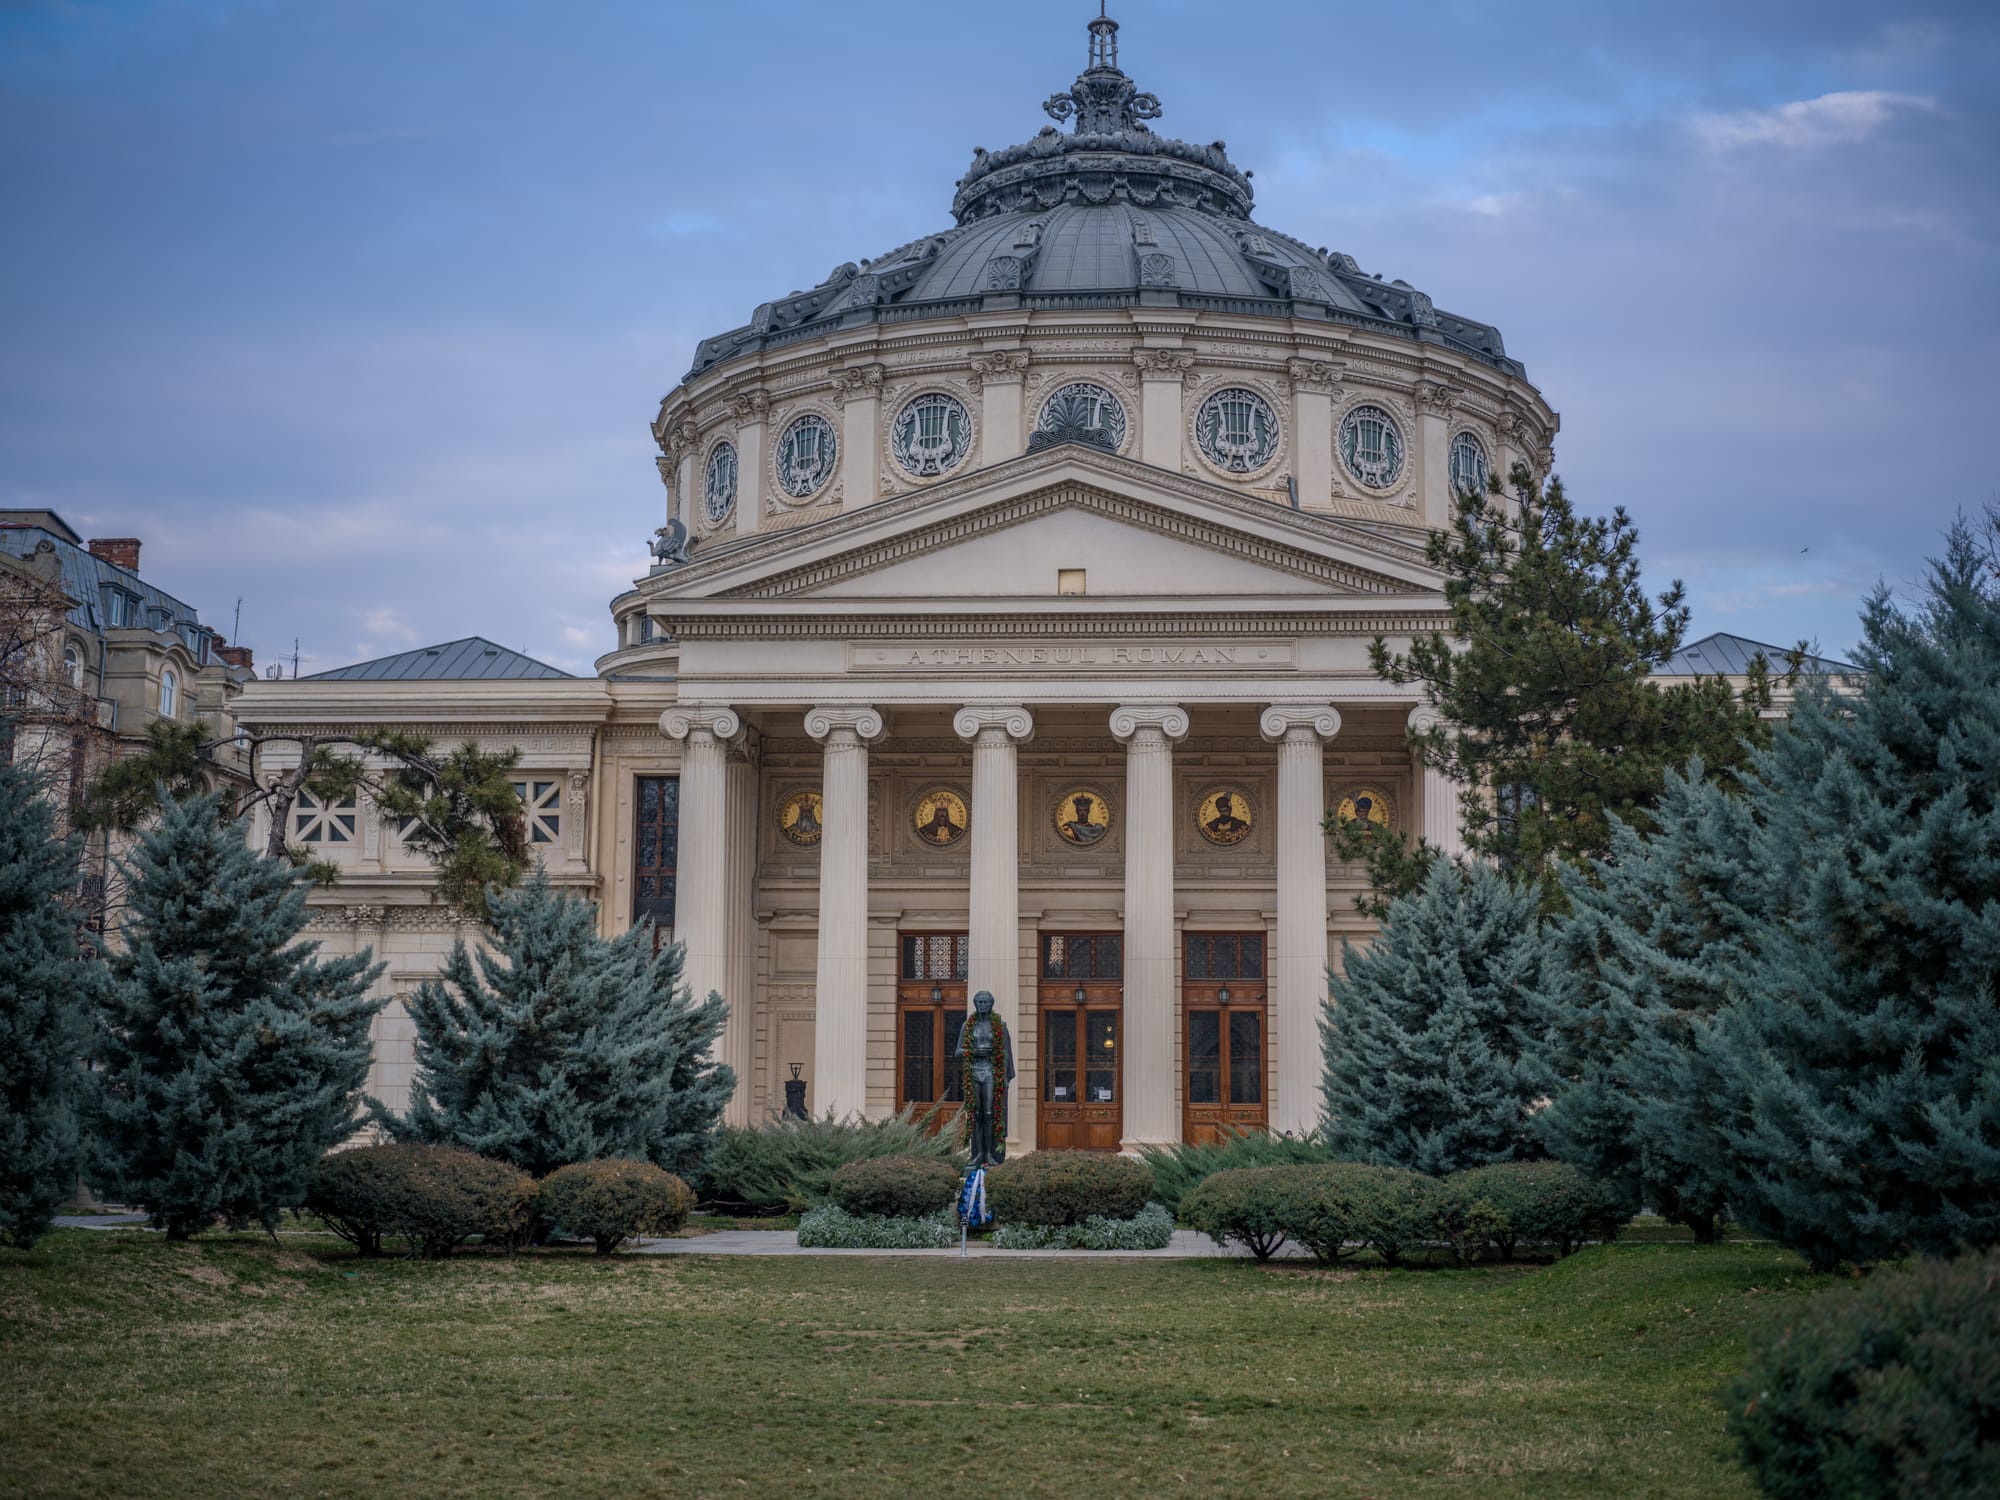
<point x="1109" y="215"/>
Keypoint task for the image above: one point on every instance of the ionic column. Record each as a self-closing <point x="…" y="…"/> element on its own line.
<point x="1299" y="960"/>
<point x="701" y="910"/>
<point x="858" y="394"/>
<point x="752" y="410"/>
<point x="1148" y="733"/>
<point x="740" y="926"/>
<point x="1315" y="383"/>
<point x="1435" y="401"/>
<point x="994" y="928"/>
<point x="1438" y="801"/>
<point x="998" y="377"/>
<point x="1162" y="374"/>
<point x="840" y="1019"/>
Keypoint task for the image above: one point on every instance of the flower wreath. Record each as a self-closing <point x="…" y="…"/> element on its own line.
<point x="969" y="1092"/>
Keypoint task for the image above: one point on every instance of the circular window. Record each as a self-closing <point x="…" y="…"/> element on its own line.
<point x="933" y="433"/>
<point x="718" y="485"/>
<point x="806" y="454"/>
<point x="1371" y="445"/>
<point x="1084" y="408"/>
<point x="1468" y="465"/>
<point x="1237" y="431"/>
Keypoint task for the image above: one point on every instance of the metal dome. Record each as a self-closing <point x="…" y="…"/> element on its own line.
<point x="1110" y="215"/>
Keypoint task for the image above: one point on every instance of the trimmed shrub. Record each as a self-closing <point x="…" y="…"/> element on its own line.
<point x="786" y="1164"/>
<point x="1066" y="1187"/>
<point x="1152" y="1228"/>
<point x="896" y="1187"/>
<point x="1338" y="1207"/>
<point x="607" y="1202"/>
<point x="1889" y="1390"/>
<point x="1240" y="1203"/>
<point x="832" y="1227"/>
<point x="1179" y="1168"/>
<point x="435" y="1197"/>
<point x="1535" y="1203"/>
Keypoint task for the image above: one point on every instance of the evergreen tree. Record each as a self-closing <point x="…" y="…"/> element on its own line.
<point x="562" y="1046"/>
<point x="1655" y="940"/>
<point x="1859" y="1074"/>
<point x="1432" y="1061"/>
<point x="1551" y="718"/>
<point x="46" y="988"/>
<point x="230" y="1059"/>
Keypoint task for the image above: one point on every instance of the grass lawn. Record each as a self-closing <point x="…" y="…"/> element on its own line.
<point x="231" y="1366"/>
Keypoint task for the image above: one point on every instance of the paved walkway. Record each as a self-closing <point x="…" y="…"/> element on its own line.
<point x="1187" y="1244"/>
<point x="99" y="1221"/>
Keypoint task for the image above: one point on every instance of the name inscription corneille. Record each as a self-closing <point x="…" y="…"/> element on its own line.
<point x="1074" y="656"/>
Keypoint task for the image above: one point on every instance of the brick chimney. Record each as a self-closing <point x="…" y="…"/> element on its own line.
<point x="236" y="656"/>
<point x="119" y="551"/>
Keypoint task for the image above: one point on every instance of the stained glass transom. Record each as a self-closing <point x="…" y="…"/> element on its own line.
<point x="718" y="487"/>
<point x="933" y="433"/>
<point x="1087" y="407"/>
<point x="1098" y="956"/>
<point x="1371" y="445"/>
<point x="936" y="955"/>
<point x="1468" y="465"/>
<point x="1225" y="955"/>
<point x="806" y="455"/>
<point x="1237" y="430"/>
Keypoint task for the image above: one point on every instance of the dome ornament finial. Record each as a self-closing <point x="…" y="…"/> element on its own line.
<point x="1103" y="100"/>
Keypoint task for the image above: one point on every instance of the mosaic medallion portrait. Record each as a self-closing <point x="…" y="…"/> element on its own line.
<point x="1224" y="815"/>
<point x="939" y="818"/>
<point x="1365" y="804"/>
<point x="1082" y="817"/>
<point x="799" y="817"/>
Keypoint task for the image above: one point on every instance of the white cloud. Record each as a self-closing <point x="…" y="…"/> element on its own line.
<point x="386" y="622"/>
<point x="1836" y="119"/>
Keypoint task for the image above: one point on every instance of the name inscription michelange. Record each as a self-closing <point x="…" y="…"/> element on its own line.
<point x="1072" y="656"/>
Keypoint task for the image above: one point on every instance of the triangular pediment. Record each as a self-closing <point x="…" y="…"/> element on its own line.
<point x="1003" y="532"/>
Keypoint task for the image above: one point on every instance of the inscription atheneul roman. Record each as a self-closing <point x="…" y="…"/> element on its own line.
<point x="1182" y="656"/>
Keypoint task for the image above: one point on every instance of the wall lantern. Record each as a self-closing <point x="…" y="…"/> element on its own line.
<point x="937" y="993"/>
<point x="1222" y="996"/>
<point x="1080" y="997"/>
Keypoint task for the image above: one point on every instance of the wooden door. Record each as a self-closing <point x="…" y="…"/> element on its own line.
<point x="1224" y="1002"/>
<point x="1081" y="998"/>
<point x="930" y="1010"/>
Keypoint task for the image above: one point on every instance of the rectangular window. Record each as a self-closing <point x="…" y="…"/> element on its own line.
<point x="656" y="849"/>
<point x="1100" y="1037"/>
<point x="1059" y="1070"/>
<point x="1204" y="1057"/>
<point x="116" y="607"/>
<point x="1099" y="956"/>
<point x="1246" y="1056"/>
<point x="919" y="1056"/>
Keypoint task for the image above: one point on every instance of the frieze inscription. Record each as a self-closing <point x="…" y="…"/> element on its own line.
<point x="1074" y="656"/>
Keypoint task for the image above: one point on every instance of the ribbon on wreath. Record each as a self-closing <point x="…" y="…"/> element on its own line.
<point x="972" y="1209"/>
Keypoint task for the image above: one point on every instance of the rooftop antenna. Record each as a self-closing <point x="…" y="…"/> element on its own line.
<point x="295" y="658"/>
<point x="236" y="625"/>
<point x="1103" y="40"/>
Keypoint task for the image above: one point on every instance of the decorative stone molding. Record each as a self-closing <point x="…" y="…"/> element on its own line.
<point x="1164" y="364"/>
<point x="1280" y="720"/>
<point x="749" y="407"/>
<point x="666" y="463"/>
<point x="579" y="802"/>
<point x="680" y="437"/>
<point x="1013" y="720"/>
<point x="860" y="381"/>
<point x="334" y="918"/>
<point x="1129" y="719"/>
<point x="1274" y="394"/>
<point x="686" y="719"/>
<point x="1316" y="374"/>
<point x="1003" y="365"/>
<point x="864" y="723"/>
<point x="1436" y="397"/>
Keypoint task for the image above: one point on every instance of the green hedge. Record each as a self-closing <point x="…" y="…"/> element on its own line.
<point x="1339" y="1206"/>
<point x="1892" y="1389"/>
<point x="433" y="1197"/>
<point x="610" y="1201"/>
<point x="1054" y="1188"/>
<point x="1242" y="1204"/>
<point x="1543" y="1203"/>
<point x="896" y="1187"/>
<point x="831" y="1227"/>
<point x="1152" y="1228"/>
<point x="786" y="1164"/>
<point x="1180" y="1168"/>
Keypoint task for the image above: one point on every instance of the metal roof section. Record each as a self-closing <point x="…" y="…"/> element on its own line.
<point x="1108" y="215"/>
<point x="473" y="659"/>
<point x="1725" y="655"/>
<point x="88" y="579"/>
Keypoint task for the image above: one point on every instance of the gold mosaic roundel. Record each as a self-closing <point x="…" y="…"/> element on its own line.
<point x="1083" y="817"/>
<point x="1365" y="804"/>
<point x="800" y="817"/>
<point x="1225" y="815"/>
<point x="940" y="818"/>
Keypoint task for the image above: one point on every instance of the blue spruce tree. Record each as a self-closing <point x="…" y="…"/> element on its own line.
<point x="1432" y="1060"/>
<point x="1859" y="1074"/>
<point x="1654" y="942"/>
<point x="230" y="1058"/>
<point x="561" y="1046"/>
<point x="46" y="987"/>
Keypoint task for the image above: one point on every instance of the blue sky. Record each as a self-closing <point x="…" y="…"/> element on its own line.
<point x="359" y="310"/>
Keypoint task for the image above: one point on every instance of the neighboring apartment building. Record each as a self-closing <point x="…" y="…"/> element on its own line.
<point x="92" y="655"/>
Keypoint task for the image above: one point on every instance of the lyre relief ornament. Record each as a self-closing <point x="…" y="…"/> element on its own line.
<point x="1364" y="804"/>
<point x="800" y="817"/>
<point x="1225" y="815"/>
<point x="939" y="818"/>
<point x="1083" y="817"/>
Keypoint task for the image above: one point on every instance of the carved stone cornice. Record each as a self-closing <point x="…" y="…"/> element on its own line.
<point x="1051" y="627"/>
<point x="1280" y="721"/>
<point x="832" y="721"/>
<point x="861" y="382"/>
<point x="1002" y="365"/>
<point x="1130" y="719"/>
<point x="1316" y="374"/>
<point x="401" y="917"/>
<point x="1164" y="364"/>
<point x="1012" y="720"/>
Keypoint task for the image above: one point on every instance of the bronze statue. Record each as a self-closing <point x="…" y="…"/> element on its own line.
<point x="983" y="1046"/>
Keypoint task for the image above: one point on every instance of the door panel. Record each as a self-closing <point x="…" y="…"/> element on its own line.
<point x="930" y="1007"/>
<point x="1081" y="998"/>
<point x="1223" y="997"/>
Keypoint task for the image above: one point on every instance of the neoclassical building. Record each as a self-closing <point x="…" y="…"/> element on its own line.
<point x="1009" y="631"/>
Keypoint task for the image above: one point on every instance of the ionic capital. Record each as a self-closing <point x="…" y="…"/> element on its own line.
<point x="1316" y="374"/>
<point x="1003" y="365"/>
<point x="857" y="383"/>
<point x="688" y="721"/>
<point x="1282" y="721"/>
<point x="1425" y="719"/>
<point x="1164" y="364"/>
<point x="837" y="722"/>
<point x="750" y="407"/>
<point x="1012" y="720"/>
<point x="1129" y="719"/>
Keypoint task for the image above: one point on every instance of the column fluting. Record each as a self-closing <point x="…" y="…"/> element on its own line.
<point x="1149" y="733"/>
<point x="840" y="1019"/>
<point x="701" y="911"/>
<point x="1299" y="960"/>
